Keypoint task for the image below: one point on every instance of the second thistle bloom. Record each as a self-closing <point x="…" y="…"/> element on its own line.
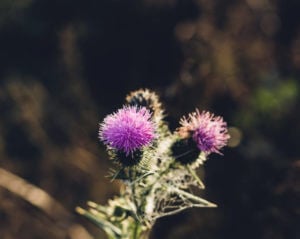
<point x="208" y="131"/>
<point x="127" y="130"/>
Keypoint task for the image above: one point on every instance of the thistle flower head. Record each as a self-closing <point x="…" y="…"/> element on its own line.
<point x="148" y="99"/>
<point x="208" y="131"/>
<point x="127" y="130"/>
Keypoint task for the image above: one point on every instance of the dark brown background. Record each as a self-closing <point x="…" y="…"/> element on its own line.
<point x="65" y="64"/>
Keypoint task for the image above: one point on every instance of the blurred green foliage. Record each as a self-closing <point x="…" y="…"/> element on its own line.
<point x="277" y="99"/>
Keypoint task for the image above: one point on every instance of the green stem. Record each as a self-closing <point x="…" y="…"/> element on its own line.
<point x="193" y="173"/>
<point x="136" y="230"/>
<point x="133" y="192"/>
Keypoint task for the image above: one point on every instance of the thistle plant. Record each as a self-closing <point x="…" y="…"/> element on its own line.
<point x="157" y="167"/>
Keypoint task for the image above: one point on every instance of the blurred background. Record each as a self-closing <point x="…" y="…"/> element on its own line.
<point x="66" y="64"/>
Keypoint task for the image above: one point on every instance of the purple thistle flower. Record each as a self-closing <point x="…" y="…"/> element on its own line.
<point x="208" y="131"/>
<point x="127" y="130"/>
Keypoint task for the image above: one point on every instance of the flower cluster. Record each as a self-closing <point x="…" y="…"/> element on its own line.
<point x="127" y="130"/>
<point x="208" y="131"/>
<point x="157" y="167"/>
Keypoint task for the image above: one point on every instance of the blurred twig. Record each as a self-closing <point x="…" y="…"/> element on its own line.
<point x="42" y="200"/>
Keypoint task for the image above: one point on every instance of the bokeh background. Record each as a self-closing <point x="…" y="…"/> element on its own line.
<point x="65" y="64"/>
